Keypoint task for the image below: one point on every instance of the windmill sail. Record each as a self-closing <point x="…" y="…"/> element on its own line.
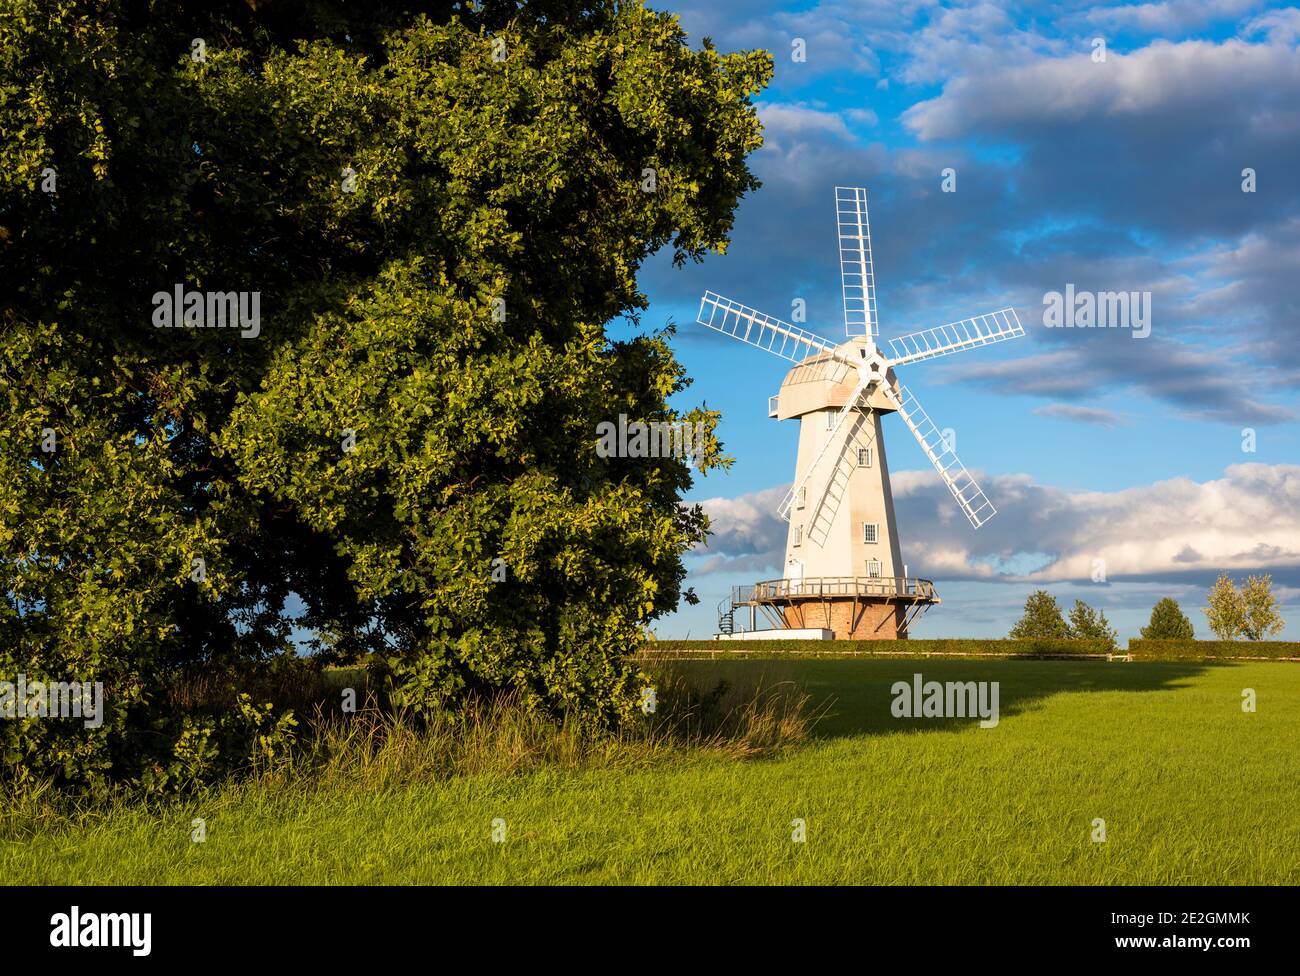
<point x="751" y="326"/>
<point x="856" y="275"/>
<point x="969" y="495"/>
<point x="954" y="337"/>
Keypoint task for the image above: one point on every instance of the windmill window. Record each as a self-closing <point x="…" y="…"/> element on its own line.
<point x="830" y="419"/>
<point x="864" y="457"/>
<point x="803" y="496"/>
<point x="870" y="532"/>
<point x="798" y="534"/>
<point x="873" y="567"/>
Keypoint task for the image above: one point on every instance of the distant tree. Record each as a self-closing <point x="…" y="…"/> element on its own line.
<point x="1042" y="618"/>
<point x="1262" y="618"/>
<point x="1087" y="624"/>
<point x="1168" y="622"/>
<point x="1227" y="609"/>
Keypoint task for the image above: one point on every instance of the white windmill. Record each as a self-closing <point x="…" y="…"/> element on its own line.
<point x="843" y="572"/>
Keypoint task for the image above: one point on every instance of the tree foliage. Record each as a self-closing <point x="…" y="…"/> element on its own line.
<point x="1249" y="612"/>
<point x="1168" y="622"/>
<point x="1042" y="619"/>
<point x="1263" y="618"/>
<point x="1226" y="612"/>
<point x="1088" y="624"/>
<point x="447" y="315"/>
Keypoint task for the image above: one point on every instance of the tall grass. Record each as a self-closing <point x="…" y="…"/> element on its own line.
<point x="379" y="747"/>
<point x="497" y="736"/>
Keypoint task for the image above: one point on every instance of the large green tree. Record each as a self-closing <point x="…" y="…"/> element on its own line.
<point x="1168" y="622"/>
<point x="1226" y="610"/>
<point x="1042" y="618"/>
<point x="1087" y="623"/>
<point x="442" y="207"/>
<point x="1250" y="612"/>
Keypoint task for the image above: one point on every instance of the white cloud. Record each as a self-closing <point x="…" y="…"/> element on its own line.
<point x="1278" y="26"/>
<point x="1084" y="415"/>
<point x="746" y="534"/>
<point x="782" y="119"/>
<point x="978" y="38"/>
<point x="1171" y="16"/>
<point x="1255" y="277"/>
<point x="1195" y="381"/>
<point x="1198" y="80"/>
<point x="863" y="116"/>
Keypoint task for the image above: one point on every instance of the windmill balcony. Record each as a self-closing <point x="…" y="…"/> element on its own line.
<point x="773" y="405"/>
<point x="850" y="607"/>
<point x="901" y="587"/>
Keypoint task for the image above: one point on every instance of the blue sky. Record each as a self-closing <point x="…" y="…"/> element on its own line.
<point x="1124" y="175"/>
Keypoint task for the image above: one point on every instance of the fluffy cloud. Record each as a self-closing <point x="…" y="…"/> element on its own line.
<point x="1084" y="415"/>
<point x="1149" y="145"/>
<point x="971" y="39"/>
<point x="1256" y="276"/>
<point x="783" y="121"/>
<point x="1171" y="16"/>
<point x="1194" y="381"/>
<point x="1277" y="26"/>
<point x="746" y="533"/>
<point x="1185" y="83"/>
<point x="1177" y="529"/>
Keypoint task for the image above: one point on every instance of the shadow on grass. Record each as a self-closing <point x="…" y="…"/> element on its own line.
<point x="856" y="695"/>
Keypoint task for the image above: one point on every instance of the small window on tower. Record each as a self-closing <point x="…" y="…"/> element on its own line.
<point x="798" y="534"/>
<point x="864" y="457"/>
<point x="870" y="532"/>
<point x="830" y="419"/>
<point x="873" y="567"/>
<point x="803" y="496"/>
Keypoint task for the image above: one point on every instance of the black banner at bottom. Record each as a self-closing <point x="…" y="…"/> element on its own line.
<point x="363" y="926"/>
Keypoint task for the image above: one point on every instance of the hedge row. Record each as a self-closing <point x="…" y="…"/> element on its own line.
<point x="1199" y="650"/>
<point x="888" y="648"/>
<point x="1142" y="650"/>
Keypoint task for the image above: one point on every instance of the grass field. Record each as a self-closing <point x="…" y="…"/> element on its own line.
<point x="1191" y="788"/>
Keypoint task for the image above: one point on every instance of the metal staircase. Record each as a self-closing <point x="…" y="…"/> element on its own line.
<point x="726" y="617"/>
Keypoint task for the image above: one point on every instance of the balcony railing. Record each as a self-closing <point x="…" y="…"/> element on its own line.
<point x="908" y="588"/>
<point x="773" y="405"/>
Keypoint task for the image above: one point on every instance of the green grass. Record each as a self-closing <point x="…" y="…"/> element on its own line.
<point x="1192" y="790"/>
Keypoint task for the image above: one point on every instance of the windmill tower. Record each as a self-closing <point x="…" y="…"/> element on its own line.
<point x="843" y="570"/>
